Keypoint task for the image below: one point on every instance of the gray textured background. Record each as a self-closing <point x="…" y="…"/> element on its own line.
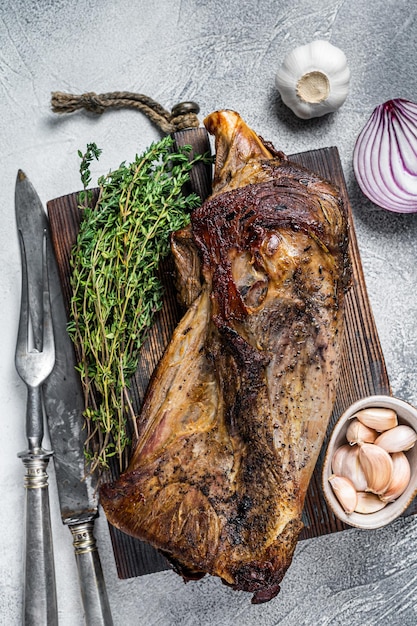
<point x="222" y="54"/>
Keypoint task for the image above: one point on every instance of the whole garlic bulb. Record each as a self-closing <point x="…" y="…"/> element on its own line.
<point x="314" y="79"/>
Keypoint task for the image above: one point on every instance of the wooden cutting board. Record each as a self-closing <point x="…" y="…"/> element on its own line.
<point x="363" y="370"/>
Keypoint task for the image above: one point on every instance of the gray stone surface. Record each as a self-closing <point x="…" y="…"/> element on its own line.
<point x="222" y="54"/>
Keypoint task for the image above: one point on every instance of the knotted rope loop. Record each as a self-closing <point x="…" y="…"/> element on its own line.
<point x="183" y="115"/>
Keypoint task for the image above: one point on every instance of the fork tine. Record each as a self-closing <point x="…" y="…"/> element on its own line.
<point x="34" y="366"/>
<point x="48" y="344"/>
<point x="23" y="330"/>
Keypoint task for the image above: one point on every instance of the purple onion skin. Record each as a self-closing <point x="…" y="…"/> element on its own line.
<point x="385" y="156"/>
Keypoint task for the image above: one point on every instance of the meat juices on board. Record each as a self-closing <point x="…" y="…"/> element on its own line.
<point x="237" y="410"/>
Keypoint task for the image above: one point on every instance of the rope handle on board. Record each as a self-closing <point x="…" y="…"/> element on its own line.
<point x="182" y="115"/>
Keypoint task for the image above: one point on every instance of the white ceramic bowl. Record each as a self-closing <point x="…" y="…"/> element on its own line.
<point x="407" y="414"/>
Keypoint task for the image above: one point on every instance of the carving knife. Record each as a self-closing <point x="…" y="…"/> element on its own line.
<point x="64" y="405"/>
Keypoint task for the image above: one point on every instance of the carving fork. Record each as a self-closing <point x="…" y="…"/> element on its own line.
<point x="33" y="366"/>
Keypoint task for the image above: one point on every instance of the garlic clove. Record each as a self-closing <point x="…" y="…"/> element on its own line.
<point x="378" y="418"/>
<point x="352" y="469"/>
<point x="400" y="477"/>
<point x="338" y="458"/>
<point x="397" y="439"/>
<point x="368" y="503"/>
<point x="345" y="492"/>
<point x="377" y="466"/>
<point x="360" y="433"/>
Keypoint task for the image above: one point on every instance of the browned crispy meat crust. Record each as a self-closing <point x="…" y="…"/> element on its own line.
<point x="237" y="410"/>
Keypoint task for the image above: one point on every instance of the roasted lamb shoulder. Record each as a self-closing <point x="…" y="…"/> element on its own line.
<point x="236" y="412"/>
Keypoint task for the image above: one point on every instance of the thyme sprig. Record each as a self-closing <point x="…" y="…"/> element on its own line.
<point x="115" y="288"/>
<point x="92" y="152"/>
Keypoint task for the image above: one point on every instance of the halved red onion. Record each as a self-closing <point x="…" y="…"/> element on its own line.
<point x="385" y="156"/>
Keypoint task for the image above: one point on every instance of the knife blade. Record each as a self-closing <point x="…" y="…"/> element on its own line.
<point x="64" y="406"/>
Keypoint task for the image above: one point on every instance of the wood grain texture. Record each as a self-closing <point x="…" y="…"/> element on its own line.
<point x="363" y="370"/>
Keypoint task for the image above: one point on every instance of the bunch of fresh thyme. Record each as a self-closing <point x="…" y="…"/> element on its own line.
<point x="115" y="289"/>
